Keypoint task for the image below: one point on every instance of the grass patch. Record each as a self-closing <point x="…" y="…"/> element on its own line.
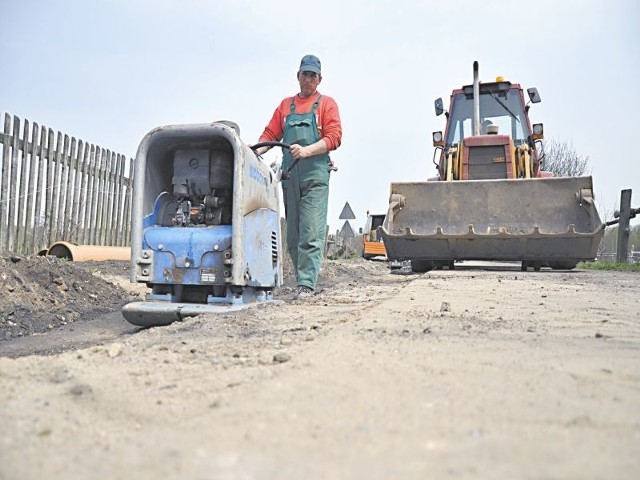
<point x="607" y="265"/>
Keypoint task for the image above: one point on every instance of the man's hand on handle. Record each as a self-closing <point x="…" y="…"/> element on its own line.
<point x="261" y="150"/>
<point x="299" y="152"/>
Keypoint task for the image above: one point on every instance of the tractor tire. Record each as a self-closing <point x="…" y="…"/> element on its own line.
<point x="421" y="266"/>
<point x="562" y="265"/>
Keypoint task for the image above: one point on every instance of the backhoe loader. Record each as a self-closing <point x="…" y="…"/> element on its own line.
<point x="491" y="198"/>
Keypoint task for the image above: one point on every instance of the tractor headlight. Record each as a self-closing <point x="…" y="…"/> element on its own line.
<point x="437" y="138"/>
<point x="538" y="131"/>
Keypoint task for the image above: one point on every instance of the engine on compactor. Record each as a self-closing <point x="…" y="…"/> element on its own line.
<point x="194" y="210"/>
<point x="202" y="189"/>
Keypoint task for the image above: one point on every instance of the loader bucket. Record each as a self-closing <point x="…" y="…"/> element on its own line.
<point x="550" y="221"/>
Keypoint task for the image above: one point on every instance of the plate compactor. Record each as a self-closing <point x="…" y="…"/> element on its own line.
<point x="205" y="224"/>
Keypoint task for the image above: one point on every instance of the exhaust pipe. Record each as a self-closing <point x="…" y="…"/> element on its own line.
<point x="476" y="100"/>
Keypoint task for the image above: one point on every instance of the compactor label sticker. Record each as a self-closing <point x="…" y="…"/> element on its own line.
<point x="207" y="275"/>
<point x="257" y="176"/>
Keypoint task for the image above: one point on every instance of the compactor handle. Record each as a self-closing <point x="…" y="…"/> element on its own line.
<point x="285" y="173"/>
<point x="258" y="145"/>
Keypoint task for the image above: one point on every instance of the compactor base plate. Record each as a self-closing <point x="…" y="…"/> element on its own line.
<point x="155" y="314"/>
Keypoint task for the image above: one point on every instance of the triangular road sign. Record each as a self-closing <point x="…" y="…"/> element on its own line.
<point x="347" y="231"/>
<point x="347" y="213"/>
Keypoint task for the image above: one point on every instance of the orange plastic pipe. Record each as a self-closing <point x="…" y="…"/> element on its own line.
<point x="82" y="253"/>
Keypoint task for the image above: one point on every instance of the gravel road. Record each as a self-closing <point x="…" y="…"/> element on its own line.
<point x="480" y="372"/>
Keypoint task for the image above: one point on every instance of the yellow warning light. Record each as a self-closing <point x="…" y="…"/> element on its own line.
<point x="499" y="79"/>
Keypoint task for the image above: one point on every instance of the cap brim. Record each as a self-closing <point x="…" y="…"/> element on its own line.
<point x="310" y="68"/>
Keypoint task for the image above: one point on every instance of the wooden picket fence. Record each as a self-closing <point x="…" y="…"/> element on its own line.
<point x="54" y="187"/>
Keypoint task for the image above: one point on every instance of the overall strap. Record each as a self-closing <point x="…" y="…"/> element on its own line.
<point x="292" y="105"/>
<point x="315" y="104"/>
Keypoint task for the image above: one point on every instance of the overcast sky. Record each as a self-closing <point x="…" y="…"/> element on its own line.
<point x="109" y="71"/>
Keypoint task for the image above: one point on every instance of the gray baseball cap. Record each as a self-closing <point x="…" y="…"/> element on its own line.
<point x="310" y="63"/>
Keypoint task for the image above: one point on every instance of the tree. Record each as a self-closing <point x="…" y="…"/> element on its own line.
<point x="561" y="158"/>
<point x="609" y="244"/>
<point x="634" y="239"/>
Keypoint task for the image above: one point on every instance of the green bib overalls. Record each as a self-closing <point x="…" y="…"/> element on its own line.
<point x="306" y="196"/>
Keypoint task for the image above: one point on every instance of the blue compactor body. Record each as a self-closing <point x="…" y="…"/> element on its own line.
<point x="205" y="224"/>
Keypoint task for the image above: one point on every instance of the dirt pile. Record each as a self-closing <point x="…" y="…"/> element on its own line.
<point x="42" y="294"/>
<point x="39" y="294"/>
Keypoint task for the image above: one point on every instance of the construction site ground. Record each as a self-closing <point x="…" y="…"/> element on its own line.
<point x="483" y="371"/>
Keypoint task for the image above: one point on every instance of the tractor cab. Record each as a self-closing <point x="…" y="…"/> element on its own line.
<point x="499" y="118"/>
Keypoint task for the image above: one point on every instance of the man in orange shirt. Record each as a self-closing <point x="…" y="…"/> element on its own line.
<point x="310" y="123"/>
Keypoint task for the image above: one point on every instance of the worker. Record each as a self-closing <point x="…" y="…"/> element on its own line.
<point x="484" y="126"/>
<point x="310" y="123"/>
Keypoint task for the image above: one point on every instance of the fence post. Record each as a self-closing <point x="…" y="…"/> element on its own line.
<point x="76" y="194"/>
<point x="14" y="195"/>
<point x="622" y="252"/>
<point x="68" y="223"/>
<point x="4" y="184"/>
<point x="22" y="199"/>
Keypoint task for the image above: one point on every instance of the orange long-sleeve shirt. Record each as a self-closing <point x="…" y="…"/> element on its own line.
<point x="327" y="118"/>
